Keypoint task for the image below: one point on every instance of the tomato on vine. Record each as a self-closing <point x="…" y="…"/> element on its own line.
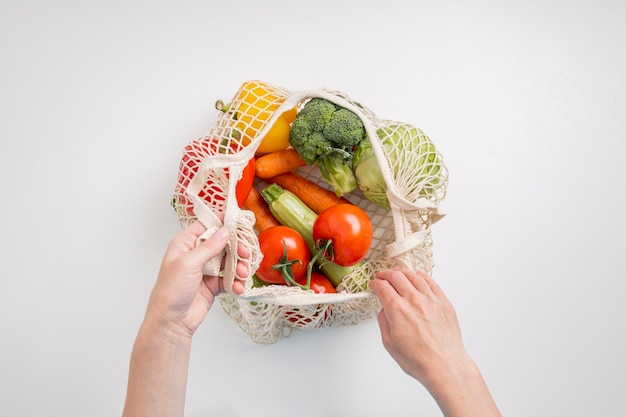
<point x="349" y="230"/>
<point x="284" y="252"/>
<point x="319" y="283"/>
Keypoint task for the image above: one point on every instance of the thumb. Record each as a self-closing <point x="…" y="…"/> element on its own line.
<point x="210" y="247"/>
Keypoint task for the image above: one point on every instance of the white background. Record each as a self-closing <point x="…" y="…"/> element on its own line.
<point x="525" y="100"/>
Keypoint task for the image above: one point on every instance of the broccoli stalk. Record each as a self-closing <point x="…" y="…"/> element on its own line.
<point x="338" y="174"/>
<point x="325" y="134"/>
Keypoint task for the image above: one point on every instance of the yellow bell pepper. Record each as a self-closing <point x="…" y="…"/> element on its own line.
<point x="253" y="106"/>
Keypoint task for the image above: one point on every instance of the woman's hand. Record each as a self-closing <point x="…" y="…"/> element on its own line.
<point x="418" y="324"/>
<point x="182" y="295"/>
<point x="420" y="330"/>
<point x="179" y="302"/>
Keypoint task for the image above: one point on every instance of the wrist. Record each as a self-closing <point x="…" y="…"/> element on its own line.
<point x="163" y="332"/>
<point x="449" y="373"/>
<point x="460" y="389"/>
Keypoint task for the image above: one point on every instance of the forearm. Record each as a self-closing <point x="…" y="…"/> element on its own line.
<point x="158" y="374"/>
<point x="462" y="392"/>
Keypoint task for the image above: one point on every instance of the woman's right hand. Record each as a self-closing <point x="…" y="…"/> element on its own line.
<point x="420" y="330"/>
<point x="418" y="324"/>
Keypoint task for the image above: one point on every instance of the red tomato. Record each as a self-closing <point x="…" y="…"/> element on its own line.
<point x="195" y="152"/>
<point x="319" y="283"/>
<point x="349" y="228"/>
<point x="272" y="242"/>
<point x="299" y="320"/>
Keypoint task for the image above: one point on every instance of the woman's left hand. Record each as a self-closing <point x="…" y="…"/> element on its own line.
<point x="182" y="295"/>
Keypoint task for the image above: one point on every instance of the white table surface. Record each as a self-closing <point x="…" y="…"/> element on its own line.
<point x="525" y="100"/>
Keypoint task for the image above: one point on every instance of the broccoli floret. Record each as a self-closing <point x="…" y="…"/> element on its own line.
<point x="326" y="135"/>
<point x="345" y="129"/>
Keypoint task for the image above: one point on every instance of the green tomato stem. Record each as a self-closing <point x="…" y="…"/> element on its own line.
<point x="322" y="250"/>
<point x="285" y="266"/>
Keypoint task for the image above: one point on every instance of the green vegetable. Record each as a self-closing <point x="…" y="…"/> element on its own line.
<point x="407" y="149"/>
<point x="326" y="134"/>
<point x="258" y="282"/>
<point x="290" y="211"/>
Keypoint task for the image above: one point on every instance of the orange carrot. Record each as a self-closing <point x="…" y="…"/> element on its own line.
<point x="256" y="204"/>
<point x="276" y="163"/>
<point x="313" y="195"/>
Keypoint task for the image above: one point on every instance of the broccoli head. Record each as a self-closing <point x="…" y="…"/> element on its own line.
<point x="326" y="135"/>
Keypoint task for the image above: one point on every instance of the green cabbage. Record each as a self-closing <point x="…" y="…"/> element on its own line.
<point x="412" y="158"/>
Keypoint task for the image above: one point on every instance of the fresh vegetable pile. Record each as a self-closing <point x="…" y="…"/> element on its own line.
<point x="323" y="194"/>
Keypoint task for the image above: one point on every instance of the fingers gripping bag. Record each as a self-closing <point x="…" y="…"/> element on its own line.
<point x="396" y="176"/>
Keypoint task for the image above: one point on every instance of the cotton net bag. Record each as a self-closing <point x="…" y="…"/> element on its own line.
<point x="206" y="189"/>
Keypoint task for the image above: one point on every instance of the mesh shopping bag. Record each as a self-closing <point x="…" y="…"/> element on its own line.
<point x="211" y="168"/>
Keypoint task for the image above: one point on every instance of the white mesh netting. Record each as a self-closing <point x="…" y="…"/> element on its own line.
<point x="211" y="166"/>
